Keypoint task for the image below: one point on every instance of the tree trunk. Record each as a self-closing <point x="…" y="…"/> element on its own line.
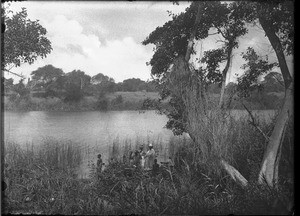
<point x="275" y="42"/>
<point x="193" y="34"/>
<point x="224" y="74"/>
<point x="221" y="101"/>
<point x="235" y="175"/>
<point x="270" y="163"/>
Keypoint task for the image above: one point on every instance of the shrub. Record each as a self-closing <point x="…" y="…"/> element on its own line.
<point x="73" y="93"/>
<point x="117" y="100"/>
<point x="102" y="103"/>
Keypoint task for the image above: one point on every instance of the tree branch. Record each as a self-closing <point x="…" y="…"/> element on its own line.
<point x="214" y="33"/>
<point x="279" y="81"/>
<point x="220" y="41"/>
<point x="252" y="122"/>
<point x="193" y="34"/>
<point x="220" y="31"/>
<point x="14" y="73"/>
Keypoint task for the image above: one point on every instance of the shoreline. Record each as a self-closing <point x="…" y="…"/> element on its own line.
<point x="107" y="110"/>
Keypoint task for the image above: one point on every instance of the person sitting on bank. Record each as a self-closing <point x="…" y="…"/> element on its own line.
<point x="149" y="157"/>
<point x="155" y="168"/>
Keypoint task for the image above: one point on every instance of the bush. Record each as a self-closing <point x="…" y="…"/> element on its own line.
<point x="73" y="93"/>
<point x="102" y="104"/>
<point x="117" y="100"/>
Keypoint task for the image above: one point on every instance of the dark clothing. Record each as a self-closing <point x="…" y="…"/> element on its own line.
<point x="155" y="169"/>
<point x="137" y="160"/>
<point x="99" y="165"/>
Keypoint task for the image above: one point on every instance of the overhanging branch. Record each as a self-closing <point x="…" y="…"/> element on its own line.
<point x="6" y="70"/>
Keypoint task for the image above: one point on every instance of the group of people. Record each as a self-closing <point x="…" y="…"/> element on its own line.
<point x="138" y="158"/>
<point x="142" y="159"/>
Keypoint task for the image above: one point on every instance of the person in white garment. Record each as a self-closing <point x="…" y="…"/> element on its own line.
<point x="149" y="157"/>
<point x="142" y="154"/>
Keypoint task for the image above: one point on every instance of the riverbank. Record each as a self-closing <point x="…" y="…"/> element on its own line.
<point x="43" y="180"/>
<point x="120" y="101"/>
<point x="114" y="101"/>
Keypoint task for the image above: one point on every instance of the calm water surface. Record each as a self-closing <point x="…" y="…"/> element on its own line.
<point x="92" y="128"/>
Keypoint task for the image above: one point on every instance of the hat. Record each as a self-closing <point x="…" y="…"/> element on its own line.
<point x="150" y="145"/>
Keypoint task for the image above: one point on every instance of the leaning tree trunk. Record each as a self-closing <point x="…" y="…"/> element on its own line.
<point x="270" y="163"/>
<point x="225" y="72"/>
<point x="193" y="34"/>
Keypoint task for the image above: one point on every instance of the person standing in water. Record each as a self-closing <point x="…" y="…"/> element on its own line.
<point x="149" y="157"/>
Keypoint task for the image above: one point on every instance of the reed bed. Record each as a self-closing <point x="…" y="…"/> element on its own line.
<point x="42" y="179"/>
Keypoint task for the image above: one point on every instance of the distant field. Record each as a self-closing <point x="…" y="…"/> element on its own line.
<point x="134" y="96"/>
<point x="130" y="101"/>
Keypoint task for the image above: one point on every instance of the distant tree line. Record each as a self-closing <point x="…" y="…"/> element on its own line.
<point x="49" y="81"/>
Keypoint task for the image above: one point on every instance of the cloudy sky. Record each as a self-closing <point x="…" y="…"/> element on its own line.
<point x="105" y="37"/>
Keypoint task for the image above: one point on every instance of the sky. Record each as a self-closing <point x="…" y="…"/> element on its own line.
<point x="106" y="37"/>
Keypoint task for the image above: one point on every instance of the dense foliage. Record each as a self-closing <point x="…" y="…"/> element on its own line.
<point x="49" y="81"/>
<point x="229" y="21"/>
<point x="24" y="40"/>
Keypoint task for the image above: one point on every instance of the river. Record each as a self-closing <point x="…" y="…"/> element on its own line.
<point x="95" y="131"/>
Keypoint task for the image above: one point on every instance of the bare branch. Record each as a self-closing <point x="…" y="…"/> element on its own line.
<point x="220" y="41"/>
<point x="220" y="31"/>
<point x="14" y="73"/>
<point x="279" y="81"/>
<point x="214" y="33"/>
<point x="253" y="123"/>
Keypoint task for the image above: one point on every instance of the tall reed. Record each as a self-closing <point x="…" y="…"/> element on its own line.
<point x="41" y="180"/>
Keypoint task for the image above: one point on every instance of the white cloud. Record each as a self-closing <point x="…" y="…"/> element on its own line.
<point x="72" y="49"/>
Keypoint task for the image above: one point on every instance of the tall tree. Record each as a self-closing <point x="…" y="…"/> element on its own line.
<point x="277" y="20"/>
<point x="132" y="84"/>
<point x="176" y="38"/>
<point x="48" y="78"/>
<point x="24" y="40"/>
<point x="76" y="85"/>
<point x="102" y="85"/>
<point x="100" y="78"/>
<point x="183" y="82"/>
